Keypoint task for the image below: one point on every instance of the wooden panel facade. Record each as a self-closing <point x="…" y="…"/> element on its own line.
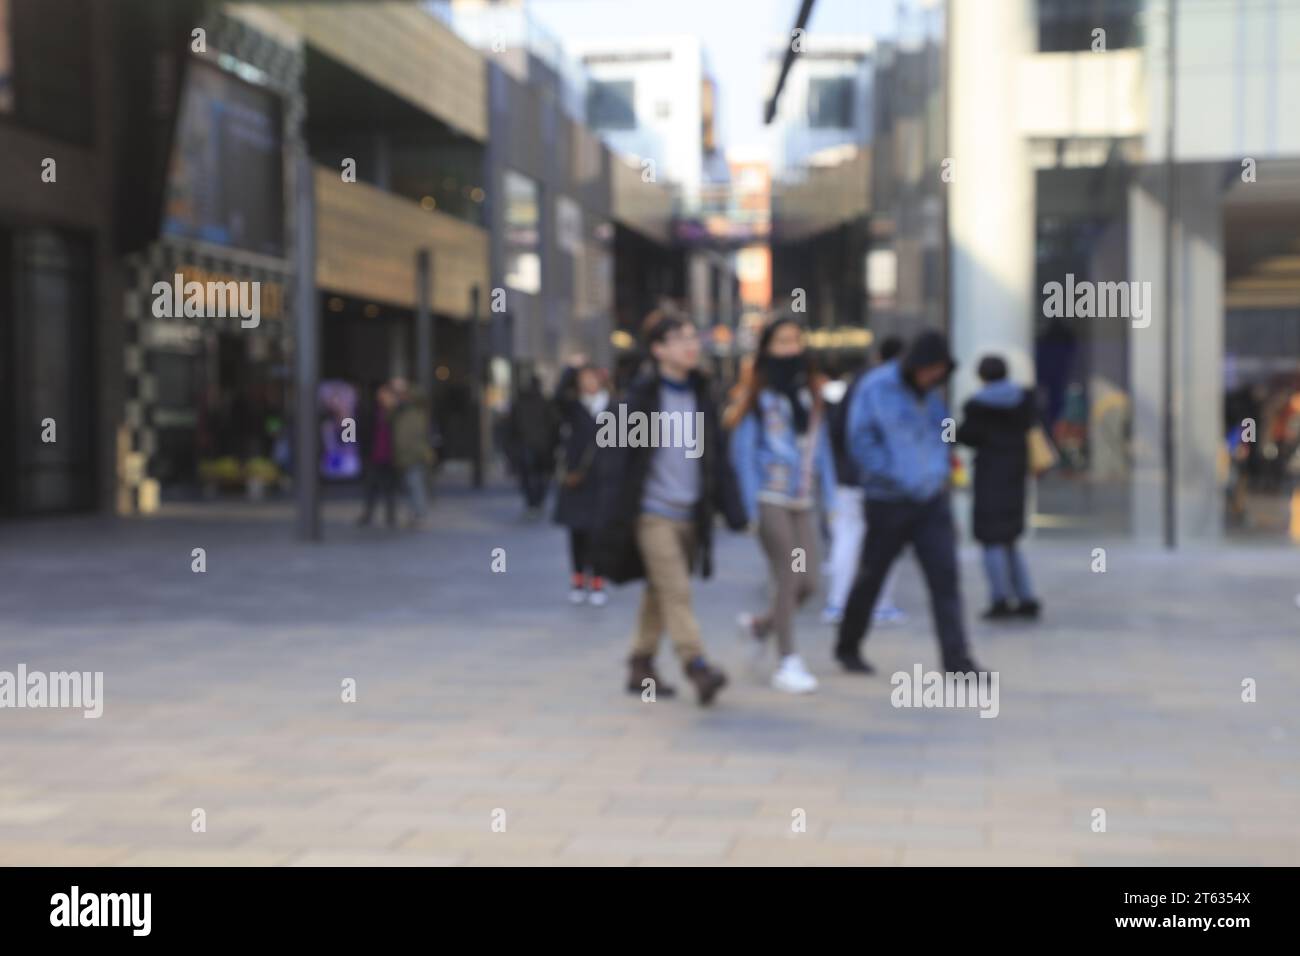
<point x="366" y="241"/>
<point x="403" y="49"/>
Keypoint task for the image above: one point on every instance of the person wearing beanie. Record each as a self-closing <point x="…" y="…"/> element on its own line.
<point x="896" y="437"/>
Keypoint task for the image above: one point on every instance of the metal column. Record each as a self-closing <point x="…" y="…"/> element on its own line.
<point x="307" y="353"/>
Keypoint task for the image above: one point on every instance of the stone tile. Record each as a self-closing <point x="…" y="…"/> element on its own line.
<point x="60" y="854"/>
<point x="363" y="859"/>
<point x="215" y="857"/>
<point x="699" y="849"/>
<point x="798" y="851"/>
<point x="907" y="834"/>
<point x="441" y="842"/>
<point x="964" y="856"/>
<point x="702" y="807"/>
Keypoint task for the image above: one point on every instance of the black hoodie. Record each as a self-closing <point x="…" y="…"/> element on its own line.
<point x="928" y="348"/>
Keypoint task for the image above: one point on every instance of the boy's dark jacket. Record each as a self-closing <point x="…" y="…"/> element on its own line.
<point x="617" y="554"/>
<point x="996" y="421"/>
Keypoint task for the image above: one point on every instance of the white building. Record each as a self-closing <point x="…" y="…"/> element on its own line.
<point x="1056" y="120"/>
<point x="652" y="97"/>
<point x="826" y="101"/>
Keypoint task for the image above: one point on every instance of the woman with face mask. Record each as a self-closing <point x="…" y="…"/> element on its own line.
<point x="782" y="459"/>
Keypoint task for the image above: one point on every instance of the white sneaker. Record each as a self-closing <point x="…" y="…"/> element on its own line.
<point x="792" y="677"/>
<point x="577" y="595"/>
<point x="832" y="615"/>
<point x="597" y="598"/>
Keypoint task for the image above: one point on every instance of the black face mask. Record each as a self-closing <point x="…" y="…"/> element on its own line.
<point x="787" y="375"/>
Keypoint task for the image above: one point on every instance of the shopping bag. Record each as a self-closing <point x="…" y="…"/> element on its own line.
<point x="1042" y="456"/>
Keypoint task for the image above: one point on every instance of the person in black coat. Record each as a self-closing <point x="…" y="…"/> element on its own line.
<point x="658" y="523"/>
<point x="580" y="398"/>
<point x="532" y="430"/>
<point x="996" y="424"/>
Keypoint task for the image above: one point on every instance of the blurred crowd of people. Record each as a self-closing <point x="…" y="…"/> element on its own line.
<point x="797" y="455"/>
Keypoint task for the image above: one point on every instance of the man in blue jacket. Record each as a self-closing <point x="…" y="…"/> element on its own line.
<point x="896" y="438"/>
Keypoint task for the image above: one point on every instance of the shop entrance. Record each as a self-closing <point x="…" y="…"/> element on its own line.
<point x="221" y="416"/>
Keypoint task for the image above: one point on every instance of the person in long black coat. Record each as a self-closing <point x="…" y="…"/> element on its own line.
<point x="585" y="480"/>
<point x="996" y="424"/>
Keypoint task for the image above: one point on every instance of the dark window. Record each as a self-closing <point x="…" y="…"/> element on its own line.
<point x="1066" y="26"/>
<point x="830" y="103"/>
<point x="611" y="105"/>
<point x="45" y="66"/>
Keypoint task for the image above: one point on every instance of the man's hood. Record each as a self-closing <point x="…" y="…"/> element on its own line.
<point x="928" y="348"/>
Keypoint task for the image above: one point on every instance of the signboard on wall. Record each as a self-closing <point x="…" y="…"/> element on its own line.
<point x="226" y="179"/>
<point x="151" y="40"/>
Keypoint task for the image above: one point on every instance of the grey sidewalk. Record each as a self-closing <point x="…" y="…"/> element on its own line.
<point x="480" y="692"/>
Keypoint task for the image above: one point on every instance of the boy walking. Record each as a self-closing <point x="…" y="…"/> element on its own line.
<point x="661" y="525"/>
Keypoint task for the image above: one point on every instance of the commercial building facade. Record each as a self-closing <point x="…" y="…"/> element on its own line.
<point x="206" y="385"/>
<point x="58" y="241"/>
<point x="1020" y="147"/>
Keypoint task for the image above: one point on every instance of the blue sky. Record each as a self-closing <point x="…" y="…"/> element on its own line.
<point x="736" y="34"/>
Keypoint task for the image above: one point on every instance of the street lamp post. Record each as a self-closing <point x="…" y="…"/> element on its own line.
<point x="476" y="384"/>
<point x="424" y="342"/>
<point x="307" y="317"/>
<point x="1171" y="192"/>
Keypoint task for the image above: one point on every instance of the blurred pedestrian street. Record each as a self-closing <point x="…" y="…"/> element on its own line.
<point x="490" y="723"/>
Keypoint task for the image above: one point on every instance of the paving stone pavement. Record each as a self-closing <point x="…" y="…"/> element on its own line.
<point x="485" y="696"/>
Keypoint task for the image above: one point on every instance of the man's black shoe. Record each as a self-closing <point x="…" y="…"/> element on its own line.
<point x="1028" y="609"/>
<point x="853" y="663"/>
<point x="998" y="611"/>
